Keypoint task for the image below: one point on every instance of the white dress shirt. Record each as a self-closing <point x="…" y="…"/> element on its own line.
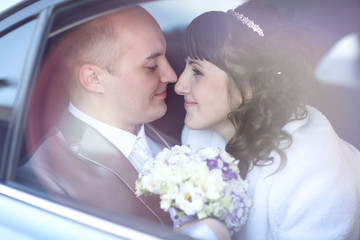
<point x="123" y="140"/>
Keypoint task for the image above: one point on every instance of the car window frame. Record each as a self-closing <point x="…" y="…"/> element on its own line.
<point x="29" y="70"/>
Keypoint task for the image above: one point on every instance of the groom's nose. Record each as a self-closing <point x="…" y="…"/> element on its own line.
<point x="168" y="75"/>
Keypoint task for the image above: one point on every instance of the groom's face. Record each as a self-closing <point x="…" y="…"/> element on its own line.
<point x="137" y="87"/>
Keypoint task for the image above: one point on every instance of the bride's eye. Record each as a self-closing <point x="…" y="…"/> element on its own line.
<point x="197" y="72"/>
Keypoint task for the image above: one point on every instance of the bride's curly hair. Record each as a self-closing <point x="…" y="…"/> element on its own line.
<point x="273" y="73"/>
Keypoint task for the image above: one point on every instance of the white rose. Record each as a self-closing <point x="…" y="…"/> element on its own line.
<point x="189" y="199"/>
<point x="150" y="183"/>
<point x="226" y="157"/>
<point x="212" y="185"/>
<point x="147" y="165"/>
<point x="181" y="149"/>
<point x="209" y="153"/>
<point x="165" y="202"/>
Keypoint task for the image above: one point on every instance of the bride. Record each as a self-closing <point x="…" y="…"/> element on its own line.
<point x="245" y="85"/>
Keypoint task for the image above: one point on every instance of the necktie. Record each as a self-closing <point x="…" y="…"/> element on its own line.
<point x="140" y="153"/>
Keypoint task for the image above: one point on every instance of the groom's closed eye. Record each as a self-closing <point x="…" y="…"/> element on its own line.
<point x="152" y="68"/>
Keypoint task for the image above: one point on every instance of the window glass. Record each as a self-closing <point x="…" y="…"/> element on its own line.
<point x="49" y="99"/>
<point x="13" y="48"/>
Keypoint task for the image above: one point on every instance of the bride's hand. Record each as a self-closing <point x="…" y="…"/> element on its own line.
<point x="208" y="228"/>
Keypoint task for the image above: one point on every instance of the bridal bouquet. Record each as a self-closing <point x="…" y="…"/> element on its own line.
<point x="200" y="183"/>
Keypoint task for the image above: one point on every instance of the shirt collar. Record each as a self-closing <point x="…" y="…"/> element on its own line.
<point x="122" y="139"/>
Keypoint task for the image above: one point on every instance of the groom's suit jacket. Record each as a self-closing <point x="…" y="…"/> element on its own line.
<point x="76" y="161"/>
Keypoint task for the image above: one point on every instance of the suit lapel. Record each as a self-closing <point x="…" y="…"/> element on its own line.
<point x="117" y="162"/>
<point x="97" y="148"/>
<point x="90" y="144"/>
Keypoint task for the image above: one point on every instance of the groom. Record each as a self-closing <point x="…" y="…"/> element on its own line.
<point x="116" y="74"/>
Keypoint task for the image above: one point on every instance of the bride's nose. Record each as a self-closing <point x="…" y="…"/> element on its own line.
<point x="182" y="85"/>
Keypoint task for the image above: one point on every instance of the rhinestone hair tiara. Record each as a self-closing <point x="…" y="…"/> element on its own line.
<point x="247" y="22"/>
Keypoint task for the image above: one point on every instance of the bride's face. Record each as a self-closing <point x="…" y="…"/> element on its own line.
<point x="207" y="96"/>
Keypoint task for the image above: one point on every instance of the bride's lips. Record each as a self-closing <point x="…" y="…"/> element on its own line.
<point x="188" y="103"/>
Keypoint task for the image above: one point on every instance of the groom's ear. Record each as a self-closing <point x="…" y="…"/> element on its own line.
<point x="90" y="78"/>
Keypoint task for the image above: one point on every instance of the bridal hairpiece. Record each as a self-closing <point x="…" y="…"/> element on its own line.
<point x="247" y="22"/>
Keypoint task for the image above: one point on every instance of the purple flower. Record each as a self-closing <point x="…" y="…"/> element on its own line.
<point x="239" y="214"/>
<point x="212" y="163"/>
<point x="227" y="173"/>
